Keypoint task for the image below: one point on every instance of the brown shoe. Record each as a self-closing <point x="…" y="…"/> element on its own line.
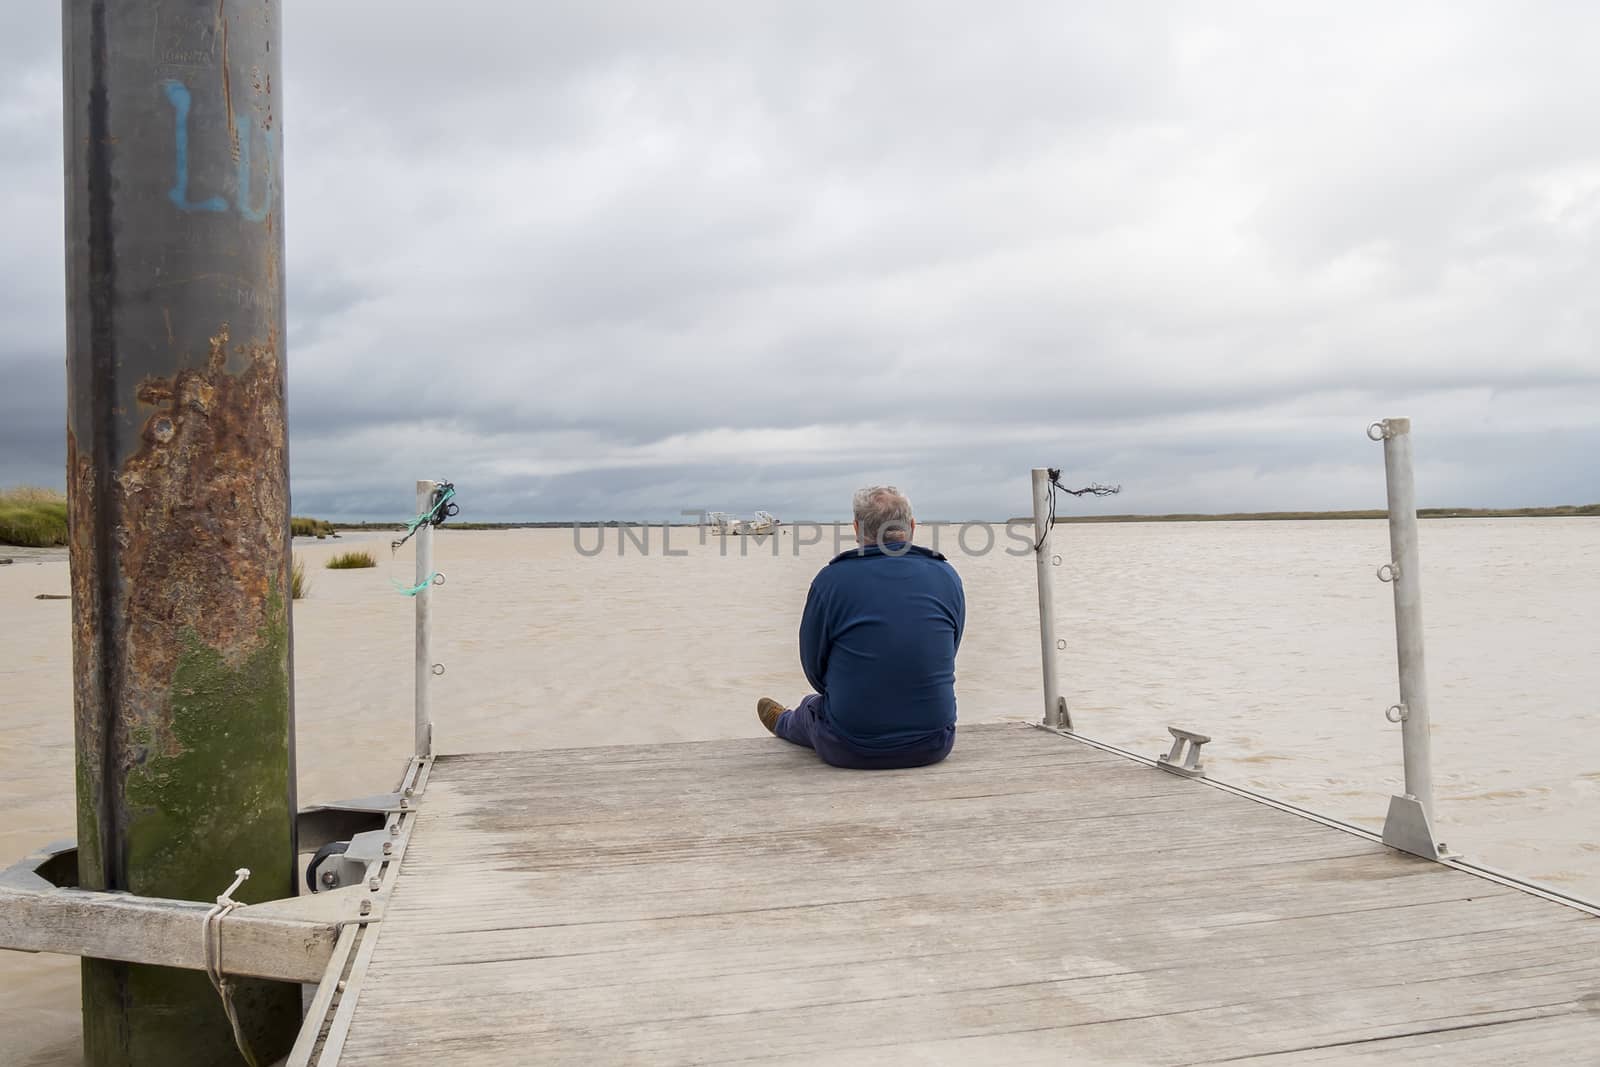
<point x="768" y="710"/>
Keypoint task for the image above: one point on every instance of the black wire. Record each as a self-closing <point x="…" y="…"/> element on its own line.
<point x="450" y="510"/>
<point x="1055" y="483"/>
<point x="1092" y="489"/>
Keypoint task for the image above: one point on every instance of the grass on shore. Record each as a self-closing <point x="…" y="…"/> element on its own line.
<point x="300" y="526"/>
<point x="299" y="584"/>
<point x="33" y="517"/>
<point x="350" y="561"/>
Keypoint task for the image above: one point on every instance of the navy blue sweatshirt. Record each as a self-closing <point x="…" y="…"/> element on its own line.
<point x="878" y="641"/>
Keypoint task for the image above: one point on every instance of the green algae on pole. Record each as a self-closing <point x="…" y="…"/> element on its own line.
<point x="178" y="494"/>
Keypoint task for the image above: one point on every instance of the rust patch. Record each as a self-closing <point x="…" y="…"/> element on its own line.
<point x="202" y="525"/>
<point x="87" y="692"/>
<point x="227" y="80"/>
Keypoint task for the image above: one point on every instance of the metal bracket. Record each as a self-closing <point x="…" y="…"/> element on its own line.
<point x="1178" y="761"/>
<point x="1063" y="715"/>
<point x="341" y="820"/>
<point x="377" y="804"/>
<point x="1408" y="830"/>
<point x="351" y="866"/>
<point x="52" y="867"/>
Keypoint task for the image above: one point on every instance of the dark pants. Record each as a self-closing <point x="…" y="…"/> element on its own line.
<point x="807" y="725"/>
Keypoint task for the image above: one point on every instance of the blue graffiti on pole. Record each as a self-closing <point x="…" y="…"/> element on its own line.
<point x="179" y="97"/>
<point x="244" y="176"/>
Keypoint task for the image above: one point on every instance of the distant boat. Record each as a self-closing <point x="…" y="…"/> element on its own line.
<point x="722" y="523"/>
<point x="765" y="522"/>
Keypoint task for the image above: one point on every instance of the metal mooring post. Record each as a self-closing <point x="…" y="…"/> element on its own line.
<point x="424" y="599"/>
<point x="1055" y="707"/>
<point x="1409" y="825"/>
<point x="177" y="477"/>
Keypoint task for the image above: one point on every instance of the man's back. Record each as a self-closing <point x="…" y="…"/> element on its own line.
<point x="878" y="641"/>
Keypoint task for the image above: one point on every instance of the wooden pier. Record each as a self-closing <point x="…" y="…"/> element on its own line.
<point x="1034" y="899"/>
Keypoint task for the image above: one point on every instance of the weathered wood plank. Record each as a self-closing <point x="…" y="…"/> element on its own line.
<point x="1136" y="1027"/>
<point x="1545" y="1039"/>
<point x="1199" y="900"/>
<point x="746" y="941"/>
<point x="1092" y="986"/>
<point x="258" y="943"/>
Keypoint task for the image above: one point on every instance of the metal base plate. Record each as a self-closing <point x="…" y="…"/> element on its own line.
<point x="1178" y="768"/>
<point x="1407" y="828"/>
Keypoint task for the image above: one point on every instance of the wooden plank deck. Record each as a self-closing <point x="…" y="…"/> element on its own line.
<point x="1031" y="900"/>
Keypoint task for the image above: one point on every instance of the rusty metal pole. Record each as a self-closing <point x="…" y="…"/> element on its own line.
<point x="178" y="494"/>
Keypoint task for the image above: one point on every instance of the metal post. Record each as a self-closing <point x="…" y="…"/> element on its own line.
<point x="177" y="476"/>
<point x="424" y="598"/>
<point x="1410" y="819"/>
<point x="1055" y="706"/>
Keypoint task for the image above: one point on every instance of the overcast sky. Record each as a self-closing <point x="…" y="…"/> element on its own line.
<point x="619" y="260"/>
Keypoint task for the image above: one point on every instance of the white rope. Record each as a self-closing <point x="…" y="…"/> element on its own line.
<point x="211" y="940"/>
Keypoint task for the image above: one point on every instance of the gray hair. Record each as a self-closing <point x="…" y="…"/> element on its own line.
<point x="883" y="513"/>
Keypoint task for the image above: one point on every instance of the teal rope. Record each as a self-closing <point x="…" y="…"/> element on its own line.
<point x="411" y="528"/>
<point x="427" y="516"/>
<point x="413" y="590"/>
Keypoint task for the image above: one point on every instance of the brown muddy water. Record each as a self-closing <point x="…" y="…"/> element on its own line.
<point x="1274" y="638"/>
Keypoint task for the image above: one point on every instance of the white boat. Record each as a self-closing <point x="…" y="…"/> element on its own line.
<point x="722" y="523"/>
<point x="764" y="523"/>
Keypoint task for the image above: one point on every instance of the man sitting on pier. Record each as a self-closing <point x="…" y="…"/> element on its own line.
<point x="878" y="642"/>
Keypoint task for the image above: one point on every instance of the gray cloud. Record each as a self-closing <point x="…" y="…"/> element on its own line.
<point x="618" y="259"/>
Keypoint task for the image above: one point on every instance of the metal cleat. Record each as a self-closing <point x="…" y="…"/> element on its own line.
<point x="1180" y="762"/>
